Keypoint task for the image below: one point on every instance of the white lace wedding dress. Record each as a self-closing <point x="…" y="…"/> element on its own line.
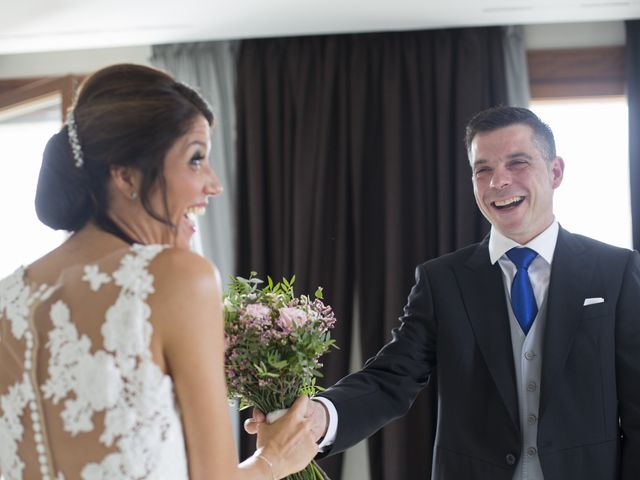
<point x="80" y="395"/>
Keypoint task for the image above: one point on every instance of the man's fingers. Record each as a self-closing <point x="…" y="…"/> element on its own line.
<point x="299" y="407"/>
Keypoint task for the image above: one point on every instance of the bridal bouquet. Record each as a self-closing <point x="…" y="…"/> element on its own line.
<point x="274" y="341"/>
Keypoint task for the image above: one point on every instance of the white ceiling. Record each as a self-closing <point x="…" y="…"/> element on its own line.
<point x="48" y="25"/>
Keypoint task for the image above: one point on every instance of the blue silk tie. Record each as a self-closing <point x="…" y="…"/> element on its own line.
<point x="522" y="299"/>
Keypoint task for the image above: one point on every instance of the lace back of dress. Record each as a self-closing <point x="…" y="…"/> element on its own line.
<point x="20" y="410"/>
<point x="91" y="403"/>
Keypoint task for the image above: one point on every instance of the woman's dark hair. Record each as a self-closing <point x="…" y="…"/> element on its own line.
<point x="501" y="116"/>
<point x="125" y="115"/>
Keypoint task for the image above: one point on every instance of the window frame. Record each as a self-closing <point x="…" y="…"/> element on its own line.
<point x="15" y="93"/>
<point x="577" y="72"/>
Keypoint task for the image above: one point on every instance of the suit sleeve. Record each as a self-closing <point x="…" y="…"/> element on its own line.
<point x="389" y="382"/>
<point x="628" y="368"/>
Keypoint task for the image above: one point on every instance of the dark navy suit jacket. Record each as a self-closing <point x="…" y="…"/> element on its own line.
<point x="456" y="323"/>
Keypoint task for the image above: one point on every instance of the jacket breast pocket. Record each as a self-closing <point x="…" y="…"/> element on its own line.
<point x="594" y="310"/>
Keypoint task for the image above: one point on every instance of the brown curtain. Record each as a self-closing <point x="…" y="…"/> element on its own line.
<point x="632" y="69"/>
<point x="352" y="170"/>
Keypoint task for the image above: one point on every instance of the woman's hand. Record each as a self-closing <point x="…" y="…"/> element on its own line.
<point x="316" y="414"/>
<point x="288" y="443"/>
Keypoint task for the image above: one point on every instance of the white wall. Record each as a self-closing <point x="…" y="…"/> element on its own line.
<point x="69" y="62"/>
<point x="561" y="35"/>
<point x="574" y="35"/>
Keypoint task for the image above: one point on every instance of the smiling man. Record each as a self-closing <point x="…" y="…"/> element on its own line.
<point x="534" y="334"/>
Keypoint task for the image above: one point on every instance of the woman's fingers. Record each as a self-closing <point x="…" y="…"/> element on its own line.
<point x="251" y="424"/>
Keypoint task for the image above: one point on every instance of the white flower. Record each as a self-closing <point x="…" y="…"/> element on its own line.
<point x="118" y="421"/>
<point x="10" y="288"/>
<point x="98" y="380"/>
<point x="11" y="464"/>
<point x="15" y="302"/>
<point x="147" y="379"/>
<point x="76" y="416"/>
<point x="133" y="276"/>
<point x="126" y="331"/>
<point x="95" y="278"/>
<point x="108" y="469"/>
<point x="59" y="314"/>
<point x="12" y="405"/>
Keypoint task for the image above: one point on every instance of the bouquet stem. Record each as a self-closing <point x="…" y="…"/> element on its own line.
<point x="311" y="472"/>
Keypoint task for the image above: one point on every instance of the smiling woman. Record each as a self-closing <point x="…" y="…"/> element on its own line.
<point x="128" y="380"/>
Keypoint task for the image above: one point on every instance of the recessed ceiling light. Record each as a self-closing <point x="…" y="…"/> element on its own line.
<point x="507" y="9"/>
<point x="606" y="4"/>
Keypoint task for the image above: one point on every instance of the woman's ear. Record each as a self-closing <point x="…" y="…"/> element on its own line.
<point x="126" y="180"/>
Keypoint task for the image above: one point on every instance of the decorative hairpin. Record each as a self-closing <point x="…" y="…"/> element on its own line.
<point x="74" y="142"/>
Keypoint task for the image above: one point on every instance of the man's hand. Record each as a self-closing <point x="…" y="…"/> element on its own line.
<point x="316" y="414"/>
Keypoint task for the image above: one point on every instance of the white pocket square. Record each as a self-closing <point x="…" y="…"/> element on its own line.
<point x="591" y="301"/>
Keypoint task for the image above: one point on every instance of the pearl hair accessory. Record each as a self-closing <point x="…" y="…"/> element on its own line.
<point x="74" y="142"/>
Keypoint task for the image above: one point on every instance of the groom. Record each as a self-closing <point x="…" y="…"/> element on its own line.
<point x="534" y="334"/>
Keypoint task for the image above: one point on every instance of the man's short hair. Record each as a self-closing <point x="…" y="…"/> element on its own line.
<point x="499" y="117"/>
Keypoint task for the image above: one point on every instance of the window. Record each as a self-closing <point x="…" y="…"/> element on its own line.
<point x="592" y="138"/>
<point x="580" y="94"/>
<point x="24" y="132"/>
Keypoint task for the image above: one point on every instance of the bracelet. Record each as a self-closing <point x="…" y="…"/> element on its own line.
<point x="262" y="457"/>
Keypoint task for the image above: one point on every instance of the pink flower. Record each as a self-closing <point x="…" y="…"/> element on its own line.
<point x="257" y="310"/>
<point x="290" y="316"/>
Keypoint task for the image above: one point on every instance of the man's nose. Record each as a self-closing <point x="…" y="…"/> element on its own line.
<point x="501" y="178"/>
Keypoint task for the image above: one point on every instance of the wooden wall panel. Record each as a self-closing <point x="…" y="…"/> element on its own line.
<point x="576" y="72"/>
<point x="16" y="92"/>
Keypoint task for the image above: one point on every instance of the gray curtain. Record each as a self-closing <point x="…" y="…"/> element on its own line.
<point x="515" y="62"/>
<point x="210" y="68"/>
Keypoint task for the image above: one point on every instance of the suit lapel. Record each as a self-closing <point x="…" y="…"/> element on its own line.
<point x="570" y="274"/>
<point x="482" y="290"/>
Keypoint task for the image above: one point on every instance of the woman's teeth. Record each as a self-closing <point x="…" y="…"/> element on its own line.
<point x="193" y="212"/>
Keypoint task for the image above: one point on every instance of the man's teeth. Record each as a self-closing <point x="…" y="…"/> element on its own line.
<point x="508" y="201"/>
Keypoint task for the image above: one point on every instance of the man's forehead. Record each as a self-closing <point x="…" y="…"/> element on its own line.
<point x="510" y="135"/>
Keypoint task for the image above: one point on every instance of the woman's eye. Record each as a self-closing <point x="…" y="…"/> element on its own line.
<point x="196" y="161"/>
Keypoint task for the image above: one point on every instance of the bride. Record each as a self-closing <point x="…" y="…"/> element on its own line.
<point x="111" y="345"/>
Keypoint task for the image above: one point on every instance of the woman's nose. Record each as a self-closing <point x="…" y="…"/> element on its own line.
<point x="213" y="187"/>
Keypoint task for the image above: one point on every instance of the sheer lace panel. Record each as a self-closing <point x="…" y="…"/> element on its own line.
<point x="81" y="396"/>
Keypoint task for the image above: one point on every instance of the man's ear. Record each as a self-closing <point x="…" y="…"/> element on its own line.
<point x="557" y="171"/>
<point x="125" y="179"/>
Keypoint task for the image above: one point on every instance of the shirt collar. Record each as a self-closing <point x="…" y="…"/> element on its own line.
<point x="544" y="244"/>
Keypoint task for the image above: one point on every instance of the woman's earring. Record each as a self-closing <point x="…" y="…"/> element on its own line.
<point x="134" y="195"/>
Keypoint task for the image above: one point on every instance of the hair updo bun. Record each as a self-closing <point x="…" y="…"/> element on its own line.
<point x="127" y="116"/>
<point x="62" y="197"/>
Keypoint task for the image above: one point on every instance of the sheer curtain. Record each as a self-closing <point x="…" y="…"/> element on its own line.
<point x="352" y="170"/>
<point x="210" y="68"/>
<point x="517" y="72"/>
